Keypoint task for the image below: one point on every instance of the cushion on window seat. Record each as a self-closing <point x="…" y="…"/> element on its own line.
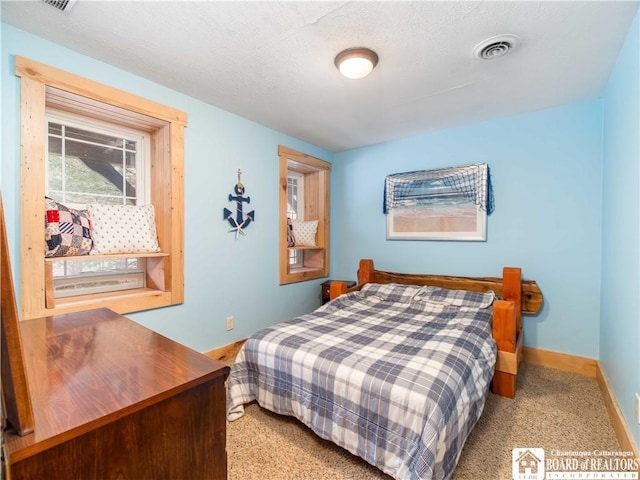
<point x="305" y="232"/>
<point x="123" y="228"/>
<point x="67" y="231"/>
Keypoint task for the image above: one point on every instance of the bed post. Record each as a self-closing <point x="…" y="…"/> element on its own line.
<point x="504" y="333"/>
<point x="507" y="332"/>
<point x="365" y="271"/>
<point x="512" y="290"/>
<point x="365" y="275"/>
<point x="337" y="288"/>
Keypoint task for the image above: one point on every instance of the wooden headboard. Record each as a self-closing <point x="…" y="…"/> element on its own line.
<point x="531" y="294"/>
<point x="532" y="299"/>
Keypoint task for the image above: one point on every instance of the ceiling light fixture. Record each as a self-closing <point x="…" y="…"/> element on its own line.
<point x="356" y="62"/>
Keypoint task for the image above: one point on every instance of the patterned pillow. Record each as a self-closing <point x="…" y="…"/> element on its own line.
<point x="291" y="238"/>
<point x="123" y="228"/>
<point x="390" y="292"/>
<point x="67" y="231"/>
<point x="456" y="298"/>
<point x="305" y="232"/>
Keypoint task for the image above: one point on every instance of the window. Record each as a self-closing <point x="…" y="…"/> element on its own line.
<point x="83" y="141"/>
<point x="295" y="191"/>
<point x="304" y="195"/>
<point x="92" y="161"/>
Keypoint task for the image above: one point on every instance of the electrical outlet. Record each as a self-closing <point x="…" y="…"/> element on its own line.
<point x="637" y="403"/>
<point x="229" y="323"/>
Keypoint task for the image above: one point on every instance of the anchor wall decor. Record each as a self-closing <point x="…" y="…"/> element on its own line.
<point x="240" y="221"/>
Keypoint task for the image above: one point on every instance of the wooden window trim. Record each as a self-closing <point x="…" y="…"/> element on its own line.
<point x="317" y="176"/>
<point x="41" y="83"/>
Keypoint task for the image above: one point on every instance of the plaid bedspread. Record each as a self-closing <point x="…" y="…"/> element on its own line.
<point x="397" y="375"/>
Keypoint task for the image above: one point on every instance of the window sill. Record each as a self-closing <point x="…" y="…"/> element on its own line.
<point x="155" y="295"/>
<point x="123" y="301"/>
<point x="294" y="270"/>
<point x="302" y="274"/>
<point x="102" y="256"/>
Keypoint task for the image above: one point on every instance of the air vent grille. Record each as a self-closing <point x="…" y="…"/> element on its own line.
<point x="495" y="50"/>
<point x="495" y="47"/>
<point x="63" y="5"/>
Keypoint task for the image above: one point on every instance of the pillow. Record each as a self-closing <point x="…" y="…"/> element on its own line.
<point x="390" y="292"/>
<point x="123" y="228"/>
<point x="67" y="231"/>
<point x="291" y="238"/>
<point x="456" y="298"/>
<point x="305" y="232"/>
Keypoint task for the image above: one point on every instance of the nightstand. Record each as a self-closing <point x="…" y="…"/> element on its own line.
<point x="326" y="285"/>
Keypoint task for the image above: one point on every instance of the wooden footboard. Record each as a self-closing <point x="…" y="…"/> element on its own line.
<point x="517" y="296"/>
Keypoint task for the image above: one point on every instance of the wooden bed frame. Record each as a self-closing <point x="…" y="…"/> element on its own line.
<point x="517" y="296"/>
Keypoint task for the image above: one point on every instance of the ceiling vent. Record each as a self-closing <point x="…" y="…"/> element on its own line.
<point x="62" y="5"/>
<point x="495" y="47"/>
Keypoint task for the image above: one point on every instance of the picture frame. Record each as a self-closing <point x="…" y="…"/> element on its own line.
<point x="444" y="204"/>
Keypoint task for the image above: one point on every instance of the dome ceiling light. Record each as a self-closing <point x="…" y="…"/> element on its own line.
<point x="356" y="63"/>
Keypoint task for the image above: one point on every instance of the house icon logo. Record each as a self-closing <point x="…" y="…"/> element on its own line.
<point x="528" y="463"/>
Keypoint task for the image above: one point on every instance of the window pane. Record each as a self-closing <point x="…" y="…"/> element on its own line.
<point x="87" y="136"/>
<point x="130" y="174"/>
<point x="86" y="166"/>
<point x="55" y="129"/>
<point x="92" y="174"/>
<point x="54" y="165"/>
<point x="83" y="199"/>
<point x="292" y="197"/>
<point x="84" y="277"/>
<point x="295" y="256"/>
<point x="97" y="266"/>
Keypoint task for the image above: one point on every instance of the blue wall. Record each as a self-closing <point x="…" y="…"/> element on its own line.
<point x="222" y="276"/>
<point x="620" y="324"/>
<point x="571" y="227"/>
<point x="546" y="171"/>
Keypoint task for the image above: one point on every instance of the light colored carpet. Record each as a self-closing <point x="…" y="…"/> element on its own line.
<point x="552" y="410"/>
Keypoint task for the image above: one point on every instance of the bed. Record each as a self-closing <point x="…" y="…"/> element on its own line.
<point x="396" y="369"/>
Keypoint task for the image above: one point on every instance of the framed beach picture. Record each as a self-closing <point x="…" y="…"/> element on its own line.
<point x="442" y="204"/>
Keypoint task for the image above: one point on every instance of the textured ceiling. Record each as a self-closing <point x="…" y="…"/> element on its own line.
<point x="272" y="62"/>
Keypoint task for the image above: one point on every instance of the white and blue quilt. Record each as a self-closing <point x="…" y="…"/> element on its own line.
<point x="395" y="374"/>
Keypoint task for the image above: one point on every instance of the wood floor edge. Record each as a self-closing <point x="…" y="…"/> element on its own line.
<point x="620" y="427"/>
<point x="561" y="361"/>
<point x="226" y="353"/>
<point x="591" y="368"/>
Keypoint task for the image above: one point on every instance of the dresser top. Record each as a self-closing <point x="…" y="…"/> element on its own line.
<point x="87" y="369"/>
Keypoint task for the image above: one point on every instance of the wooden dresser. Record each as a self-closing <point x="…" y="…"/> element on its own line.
<point x="113" y="400"/>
